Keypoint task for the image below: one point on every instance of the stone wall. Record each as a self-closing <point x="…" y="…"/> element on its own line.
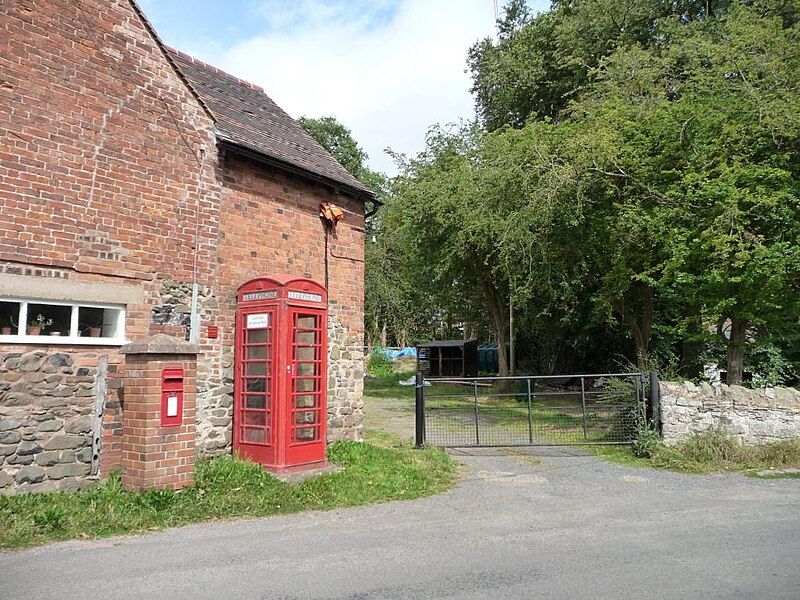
<point x="751" y="416"/>
<point x="49" y="421"/>
<point x="345" y="384"/>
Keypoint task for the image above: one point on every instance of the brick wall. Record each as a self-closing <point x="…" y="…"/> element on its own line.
<point x="100" y="145"/>
<point x="109" y="173"/>
<point x="156" y="457"/>
<point x="269" y="223"/>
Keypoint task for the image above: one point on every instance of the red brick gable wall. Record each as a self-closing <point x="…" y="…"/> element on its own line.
<point x="98" y="167"/>
<point x="100" y="180"/>
<point x="270" y="223"/>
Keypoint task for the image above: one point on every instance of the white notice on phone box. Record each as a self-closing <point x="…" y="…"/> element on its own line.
<point x="259" y="321"/>
<point x="172" y="406"/>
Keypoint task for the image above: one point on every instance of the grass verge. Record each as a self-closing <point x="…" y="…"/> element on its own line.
<point x="388" y="386"/>
<point x="711" y="453"/>
<point x="379" y="470"/>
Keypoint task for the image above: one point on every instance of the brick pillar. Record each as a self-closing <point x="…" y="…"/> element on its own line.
<point x="154" y="456"/>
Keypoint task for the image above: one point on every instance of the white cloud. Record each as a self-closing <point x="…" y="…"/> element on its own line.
<point x="387" y="75"/>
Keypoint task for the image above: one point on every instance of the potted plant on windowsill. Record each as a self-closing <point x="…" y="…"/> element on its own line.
<point x="91" y="330"/>
<point x="7" y="329"/>
<point x="38" y="324"/>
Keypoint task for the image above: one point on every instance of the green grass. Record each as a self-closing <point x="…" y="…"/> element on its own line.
<point x="380" y="470"/>
<point x="388" y="386"/>
<point x="711" y="453"/>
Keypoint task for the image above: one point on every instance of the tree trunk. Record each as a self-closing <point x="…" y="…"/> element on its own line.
<point x="383" y="336"/>
<point x="502" y="351"/>
<point x="641" y="330"/>
<point x="691" y="365"/>
<point x="736" y="351"/>
<point x="497" y="312"/>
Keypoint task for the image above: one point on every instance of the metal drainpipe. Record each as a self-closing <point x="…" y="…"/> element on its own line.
<point x="194" y="325"/>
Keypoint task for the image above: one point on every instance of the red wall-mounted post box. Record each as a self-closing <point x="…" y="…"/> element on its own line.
<point x="281" y="373"/>
<point x="171" y="397"/>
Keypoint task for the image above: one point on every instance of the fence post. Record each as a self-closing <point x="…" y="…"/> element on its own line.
<point x="420" y="410"/>
<point x="583" y="405"/>
<point x="477" y="426"/>
<point x="655" y="401"/>
<point x="530" y="416"/>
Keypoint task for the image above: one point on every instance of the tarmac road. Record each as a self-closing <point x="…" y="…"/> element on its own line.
<point x="570" y="527"/>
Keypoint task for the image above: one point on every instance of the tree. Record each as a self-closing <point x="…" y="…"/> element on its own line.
<point x="702" y="133"/>
<point x="539" y="64"/>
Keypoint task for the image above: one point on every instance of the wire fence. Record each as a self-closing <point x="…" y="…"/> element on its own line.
<point x="607" y="408"/>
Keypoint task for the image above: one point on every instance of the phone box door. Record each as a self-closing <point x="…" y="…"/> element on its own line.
<point x="306" y="386"/>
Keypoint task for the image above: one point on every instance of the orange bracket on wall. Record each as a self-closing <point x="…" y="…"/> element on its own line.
<point x="330" y="213"/>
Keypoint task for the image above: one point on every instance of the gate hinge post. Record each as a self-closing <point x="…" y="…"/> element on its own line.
<point x="655" y="401"/>
<point x="419" y="400"/>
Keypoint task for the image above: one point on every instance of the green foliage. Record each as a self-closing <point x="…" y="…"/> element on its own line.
<point x="226" y="488"/>
<point x="645" y="205"/>
<point x="389" y="386"/>
<point x="50" y="518"/>
<point x="716" y="451"/>
<point x="646" y="443"/>
<point x="379" y="364"/>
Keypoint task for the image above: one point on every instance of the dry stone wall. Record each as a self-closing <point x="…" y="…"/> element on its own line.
<point x="752" y="416"/>
<point x="46" y="422"/>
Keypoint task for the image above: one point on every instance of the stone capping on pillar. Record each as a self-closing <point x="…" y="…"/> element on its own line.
<point x="160" y="343"/>
<point x="154" y="456"/>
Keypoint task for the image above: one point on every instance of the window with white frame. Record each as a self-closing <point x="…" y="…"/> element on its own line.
<point x="24" y="320"/>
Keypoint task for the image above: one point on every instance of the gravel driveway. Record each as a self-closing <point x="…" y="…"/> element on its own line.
<point x="570" y="526"/>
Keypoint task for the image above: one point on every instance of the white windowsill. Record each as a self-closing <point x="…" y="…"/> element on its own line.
<point x="60" y="340"/>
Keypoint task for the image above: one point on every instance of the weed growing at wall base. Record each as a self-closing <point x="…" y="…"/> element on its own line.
<point x="708" y="453"/>
<point x="228" y="488"/>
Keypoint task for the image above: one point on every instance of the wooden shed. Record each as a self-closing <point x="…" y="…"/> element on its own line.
<point x="448" y="358"/>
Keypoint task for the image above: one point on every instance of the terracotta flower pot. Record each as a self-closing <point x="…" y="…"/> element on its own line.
<point x="95" y="331"/>
<point x="5" y="330"/>
<point x="34" y="330"/>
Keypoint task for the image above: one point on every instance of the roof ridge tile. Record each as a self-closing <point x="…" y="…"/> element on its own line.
<point x="217" y="70"/>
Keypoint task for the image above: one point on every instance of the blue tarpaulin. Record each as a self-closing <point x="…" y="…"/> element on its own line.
<point x="401" y="353"/>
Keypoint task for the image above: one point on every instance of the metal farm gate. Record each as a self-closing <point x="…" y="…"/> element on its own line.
<point x="606" y="408"/>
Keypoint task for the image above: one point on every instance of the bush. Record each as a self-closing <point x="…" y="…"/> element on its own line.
<point x="379" y="364"/>
<point x="646" y="444"/>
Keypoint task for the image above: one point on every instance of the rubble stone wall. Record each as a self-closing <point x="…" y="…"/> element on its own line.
<point x="51" y="419"/>
<point x="753" y="417"/>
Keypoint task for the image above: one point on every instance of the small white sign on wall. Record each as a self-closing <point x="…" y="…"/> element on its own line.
<point x="172" y="406"/>
<point x="258" y="321"/>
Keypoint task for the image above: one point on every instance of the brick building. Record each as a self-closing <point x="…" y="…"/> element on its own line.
<point x="139" y="188"/>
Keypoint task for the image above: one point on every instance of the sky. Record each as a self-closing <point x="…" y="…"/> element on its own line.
<point x="387" y="69"/>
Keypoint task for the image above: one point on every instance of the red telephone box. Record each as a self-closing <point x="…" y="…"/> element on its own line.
<point x="281" y="373"/>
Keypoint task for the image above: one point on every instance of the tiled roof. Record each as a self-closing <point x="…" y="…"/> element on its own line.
<point x="247" y="117"/>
